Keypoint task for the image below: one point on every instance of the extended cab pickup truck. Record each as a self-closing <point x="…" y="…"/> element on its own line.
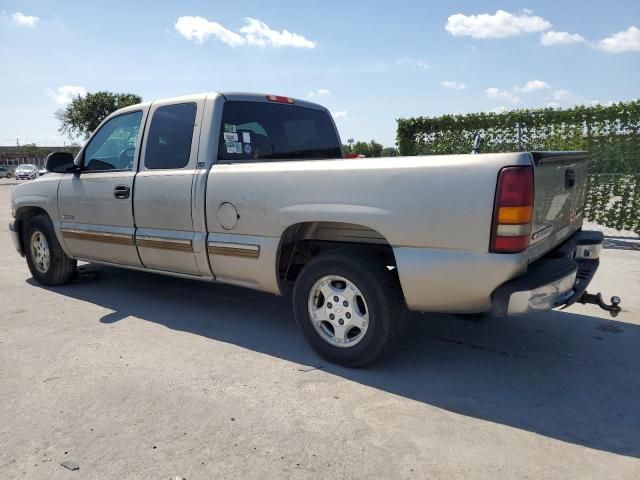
<point x="253" y="190"/>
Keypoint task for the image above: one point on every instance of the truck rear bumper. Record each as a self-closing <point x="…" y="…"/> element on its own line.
<point x="558" y="279"/>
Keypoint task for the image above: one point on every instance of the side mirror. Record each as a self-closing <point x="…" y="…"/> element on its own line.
<point x="60" y="162"/>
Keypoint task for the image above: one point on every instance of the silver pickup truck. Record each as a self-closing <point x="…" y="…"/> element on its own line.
<point x="252" y="190"/>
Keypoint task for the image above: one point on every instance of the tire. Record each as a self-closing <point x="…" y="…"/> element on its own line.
<point x="378" y="299"/>
<point x="59" y="269"/>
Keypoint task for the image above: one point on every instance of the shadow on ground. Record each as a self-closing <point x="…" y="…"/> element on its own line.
<point x="565" y="376"/>
<point x="622" y="243"/>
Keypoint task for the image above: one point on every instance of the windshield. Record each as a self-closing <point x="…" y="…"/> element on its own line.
<point x="26" y="167"/>
<point x="259" y="130"/>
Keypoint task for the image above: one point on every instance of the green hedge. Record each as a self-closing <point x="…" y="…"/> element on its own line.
<point x="614" y="201"/>
<point x="611" y="135"/>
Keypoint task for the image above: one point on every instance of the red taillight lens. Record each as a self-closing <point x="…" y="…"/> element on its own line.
<point x="279" y="99"/>
<point x="513" y="210"/>
<point x="515" y="187"/>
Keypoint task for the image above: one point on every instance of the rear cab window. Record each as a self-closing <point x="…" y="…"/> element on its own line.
<point x="253" y="131"/>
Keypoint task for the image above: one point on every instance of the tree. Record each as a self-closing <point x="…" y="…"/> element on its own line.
<point x="372" y="149"/>
<point x="389" y="152"/>
<point x="83" y="115"/>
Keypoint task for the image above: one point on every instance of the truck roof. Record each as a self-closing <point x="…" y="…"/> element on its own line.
<point x="236" y="96"/>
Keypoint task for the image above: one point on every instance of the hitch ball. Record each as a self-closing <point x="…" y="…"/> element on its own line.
<point x="613" y="309"/>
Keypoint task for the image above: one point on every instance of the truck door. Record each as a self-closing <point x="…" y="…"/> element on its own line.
<point x="96" y="210"/>
<point x="163" y="201"/>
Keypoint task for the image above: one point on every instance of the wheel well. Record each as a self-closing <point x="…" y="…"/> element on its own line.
<point x="301" y="242"/>
<point x="23" y="215"/>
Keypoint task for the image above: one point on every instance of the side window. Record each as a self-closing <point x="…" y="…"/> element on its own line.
<point x="170" y="135"/>
<point x="271" y="131"/>
<point x="114" y="146"/>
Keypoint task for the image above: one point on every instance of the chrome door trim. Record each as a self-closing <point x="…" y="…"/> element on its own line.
<point x="164" y="243"/>
<point x="233" y="249"/>
<point x="95" y="236"/>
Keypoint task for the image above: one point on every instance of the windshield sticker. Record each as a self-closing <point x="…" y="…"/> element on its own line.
<point x="246" y="137"/>
<point x="229" y="128"/>
<point x="231" y="148"/>
<point x="238" y="147"/>
<point x="230" y="137"/>
<point x="247" y="148"/>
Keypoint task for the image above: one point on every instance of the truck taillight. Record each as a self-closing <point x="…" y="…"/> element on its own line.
<point x="279" y="99"/>
<point x="513" y="210"/>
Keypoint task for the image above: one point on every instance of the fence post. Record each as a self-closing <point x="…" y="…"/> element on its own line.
<point x="519" y="125"/>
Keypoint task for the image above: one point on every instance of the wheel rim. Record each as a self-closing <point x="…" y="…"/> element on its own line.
<point x="40" y="252"/>
<point x="343" y="322"/>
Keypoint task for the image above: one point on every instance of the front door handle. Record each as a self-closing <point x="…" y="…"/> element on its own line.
<point x="121" y="191"/>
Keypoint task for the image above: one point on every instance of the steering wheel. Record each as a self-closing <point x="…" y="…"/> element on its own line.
<point x="126" y="156"/>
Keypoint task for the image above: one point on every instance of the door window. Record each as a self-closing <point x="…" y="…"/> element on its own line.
<point x="114" y="146"/>
<point x="170" y="136"/>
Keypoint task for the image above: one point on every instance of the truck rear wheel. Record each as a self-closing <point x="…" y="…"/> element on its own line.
<point x="47" y="262"/>
<point x="349" y="307"/>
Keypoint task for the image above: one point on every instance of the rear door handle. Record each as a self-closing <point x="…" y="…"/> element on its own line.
<point x="121" y="191"/>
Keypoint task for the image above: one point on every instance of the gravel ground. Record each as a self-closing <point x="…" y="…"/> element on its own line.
<point x="131" y="375"/>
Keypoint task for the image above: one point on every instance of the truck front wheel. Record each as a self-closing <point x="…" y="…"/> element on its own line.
<point x="349" y="307"/>
<point x="47" y="262"/>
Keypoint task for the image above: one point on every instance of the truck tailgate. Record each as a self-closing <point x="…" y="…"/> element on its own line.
<point x="560" y="183"/>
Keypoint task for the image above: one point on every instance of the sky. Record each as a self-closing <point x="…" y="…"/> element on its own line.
<point x="369" y="62"/>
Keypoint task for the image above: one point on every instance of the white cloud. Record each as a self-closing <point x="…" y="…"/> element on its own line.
<point x="604" y="104"/>
<point x="560" y="38"/>
<point x="323" y="92"/>
<point x="562" y="94"/>
<point x="255" y="33"/>
<point x="64" y="94"/>
<point x="499" y="25"/>
<point x="532" y="85"/>
<point x="503" y="95"/>
<point x="199" y="29"/>
<point x="500" y="109"/>
<point x="553" y="105"/>
<point x="412" y="62"/>
<point x="341" y="114"/>
<point x="625" y="41"/>
<point x="258" y="33"/>
<point x="23" y="20"/>
<point x="568" y="98"/>
<point x="453" y="85"/>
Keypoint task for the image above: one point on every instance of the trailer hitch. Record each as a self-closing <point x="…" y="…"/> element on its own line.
<point x="596" y="299"/>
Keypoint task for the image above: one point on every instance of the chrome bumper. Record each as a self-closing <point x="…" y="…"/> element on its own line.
<point x="15" y="236"/>
<point x="558" y="279"/>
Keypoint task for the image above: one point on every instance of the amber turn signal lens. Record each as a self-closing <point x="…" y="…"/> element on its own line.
<point x="515" y="215"/>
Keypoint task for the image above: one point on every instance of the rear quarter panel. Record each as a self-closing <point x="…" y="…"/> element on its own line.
<point x="442" y="202"/>
<point x="434" y="211"/>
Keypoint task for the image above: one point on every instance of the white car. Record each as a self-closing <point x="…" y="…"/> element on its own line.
<point x="26" y="172"/>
